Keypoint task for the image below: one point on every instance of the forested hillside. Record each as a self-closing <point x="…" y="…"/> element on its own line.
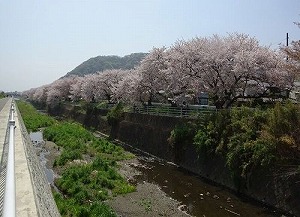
<point x="101" y="63"/>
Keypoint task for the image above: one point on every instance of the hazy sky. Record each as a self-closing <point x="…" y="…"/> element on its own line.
<point x="42" y="40"/>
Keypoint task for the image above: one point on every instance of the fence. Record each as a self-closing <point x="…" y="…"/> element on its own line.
<point x="166" y="110"/>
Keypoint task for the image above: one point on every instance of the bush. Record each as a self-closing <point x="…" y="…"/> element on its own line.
<point x="240" y="136"/>
<point x="69" y="207"/>
<point x="212" y="133"/>
<point x="283" y="129"/>
<point x="182" y="134"/>
<point x="115" y="115"/>
<point x="90" y="182"/>
<point x="68" y="155"/>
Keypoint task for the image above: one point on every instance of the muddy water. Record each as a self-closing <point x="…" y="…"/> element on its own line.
<point x="197" y="196"/>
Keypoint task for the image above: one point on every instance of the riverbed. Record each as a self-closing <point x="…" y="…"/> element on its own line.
<point x="164" y="189"/>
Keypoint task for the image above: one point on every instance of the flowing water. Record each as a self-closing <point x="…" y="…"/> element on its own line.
<point x="197" y="196"/>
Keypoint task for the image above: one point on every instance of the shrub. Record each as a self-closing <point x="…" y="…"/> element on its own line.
<point x="68" y="155"/>
<point x="115" y="115"/>
<point x="182" y="134"/>
<point x="239" y="136"/>
<point x="69" y="207"/>
<point x="212" y="133"/>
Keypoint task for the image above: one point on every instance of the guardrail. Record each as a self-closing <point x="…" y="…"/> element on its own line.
<point x="9" y="206"/>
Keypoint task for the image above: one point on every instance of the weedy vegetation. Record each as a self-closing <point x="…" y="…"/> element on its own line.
<point x="87" y="166"/>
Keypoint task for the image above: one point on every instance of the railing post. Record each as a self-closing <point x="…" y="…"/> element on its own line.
<point x="9" y="206"/>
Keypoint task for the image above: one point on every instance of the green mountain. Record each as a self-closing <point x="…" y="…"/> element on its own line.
<point x="101" y="63"/>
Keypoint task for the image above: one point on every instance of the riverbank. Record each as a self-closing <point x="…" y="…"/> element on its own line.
<point x="277" y="187"/>
<point x="150" y="134"/>
<point x="148" y="200"/>
<point x="157" y="182"/>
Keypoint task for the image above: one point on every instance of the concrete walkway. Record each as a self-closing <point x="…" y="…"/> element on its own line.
<point x="4" y="115"/>
<point x="25" y="199"/>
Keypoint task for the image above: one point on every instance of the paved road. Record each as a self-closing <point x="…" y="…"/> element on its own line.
<point x="2" y="103"/>
<point x="4" y="116"/>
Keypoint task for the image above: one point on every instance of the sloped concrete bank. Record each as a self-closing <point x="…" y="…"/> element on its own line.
<point x="150" y="133"/>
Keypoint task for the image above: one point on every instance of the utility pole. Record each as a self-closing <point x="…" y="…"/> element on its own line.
<point x="287" y="44"/>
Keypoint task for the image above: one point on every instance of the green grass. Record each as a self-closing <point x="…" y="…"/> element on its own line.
<point x="69" y="207"/>
<point x="86" y="183"/>
<point x="32" y="118"/>
<point x="83" y="185"/>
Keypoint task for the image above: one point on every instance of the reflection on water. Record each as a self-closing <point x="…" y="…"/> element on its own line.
<point x="39" y="145"/>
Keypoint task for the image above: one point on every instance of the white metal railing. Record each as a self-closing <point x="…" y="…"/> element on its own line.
<point x="9" y="206"/>
<point x="166" y="110"/>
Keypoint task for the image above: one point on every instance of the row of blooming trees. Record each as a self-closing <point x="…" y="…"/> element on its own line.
<point x="227" y="68"/>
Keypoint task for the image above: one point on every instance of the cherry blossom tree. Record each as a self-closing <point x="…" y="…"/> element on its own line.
<point x="88" y="88"/>
<point x="40" y="95"/>
<point x="76" y="89"/>
<point x="100" y="86"/>
<point x="227" y="67"/>
<point x="126" y="89"/>
<point x="59" y="90"/>
<point x="106" y="82"/>
<point x="153" y="75"/>
<point x="28" y="94"/>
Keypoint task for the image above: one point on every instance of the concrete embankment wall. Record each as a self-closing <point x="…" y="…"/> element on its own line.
<point x="45" y="204"/>
<point x="150" y="133"/>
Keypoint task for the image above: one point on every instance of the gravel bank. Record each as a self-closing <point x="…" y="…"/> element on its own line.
<point x="148" y="200"/>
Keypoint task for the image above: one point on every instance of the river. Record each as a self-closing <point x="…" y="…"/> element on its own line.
<point x="200" y="197"/>
<point x="38" y="143"/>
